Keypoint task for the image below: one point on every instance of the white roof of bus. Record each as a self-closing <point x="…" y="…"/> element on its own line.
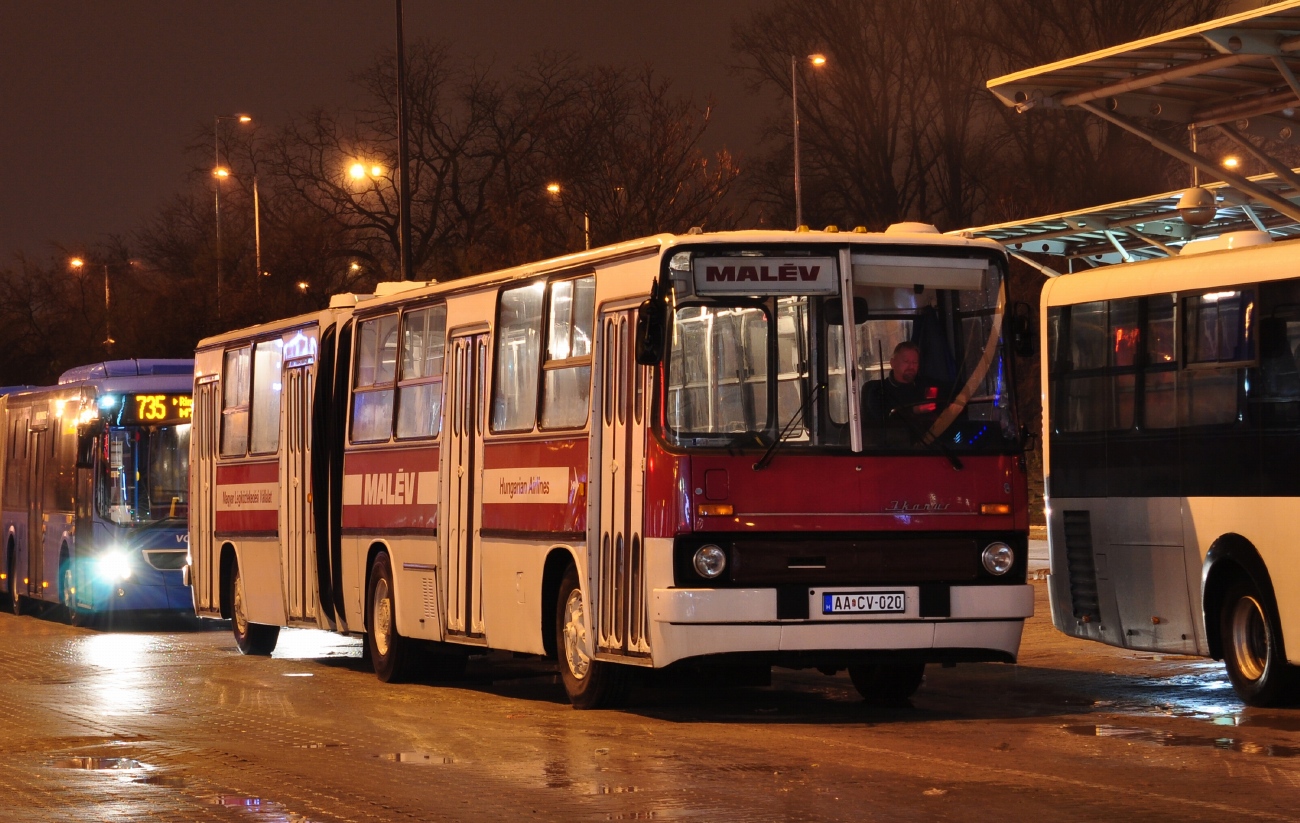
<point x="1208" y="270"/>
<point x="898" y="235"/>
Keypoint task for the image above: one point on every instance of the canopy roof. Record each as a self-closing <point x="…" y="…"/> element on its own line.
<point x="1142" y="228"/>
<point x="1236" y="74"/>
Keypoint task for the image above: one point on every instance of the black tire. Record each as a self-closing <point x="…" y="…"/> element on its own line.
<point x="68" y="596"/>
<point x="392" y="655"/>
<point x="887" y="684"/>
<point x="252" y="638"/>
<point x="1251" y="635"/>
<point x="591" y="684"/>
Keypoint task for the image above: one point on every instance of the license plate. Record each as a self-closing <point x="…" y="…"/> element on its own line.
<point x="863" y="602"/>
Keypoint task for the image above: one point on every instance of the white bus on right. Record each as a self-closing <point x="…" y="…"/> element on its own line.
<point x="1171" y="428"/>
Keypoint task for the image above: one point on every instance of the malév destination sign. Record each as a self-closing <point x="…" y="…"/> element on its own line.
<point x="765" y="275"/>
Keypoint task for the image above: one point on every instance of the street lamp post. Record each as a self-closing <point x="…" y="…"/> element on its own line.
<point x="220" y="173"/>
<point x="77" y="263"/>
<point x="818" y="60"/>
<point x="554" y="188"/>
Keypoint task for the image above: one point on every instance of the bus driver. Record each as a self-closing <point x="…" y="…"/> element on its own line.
<point x="901" y="389"/>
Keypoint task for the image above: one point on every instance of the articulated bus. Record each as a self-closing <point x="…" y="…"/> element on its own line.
<point x="1172" y="436"/>
<point x="667" y="450"/>
<point x="94" y="488"/>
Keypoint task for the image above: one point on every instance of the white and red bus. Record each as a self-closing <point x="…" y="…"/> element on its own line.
<point x="648" y="453"/>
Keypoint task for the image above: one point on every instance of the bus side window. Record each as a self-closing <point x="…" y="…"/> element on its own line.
<point x="234" y="402"/>
<point x="267" y="363"/>
<point x="566" y="395"/>
<point x="372" y="394"/>
<point x="518" y="358"/>
<point x="419" y="387"/>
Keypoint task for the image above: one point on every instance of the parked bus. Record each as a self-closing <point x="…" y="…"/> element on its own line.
<point x="1172" y="434"/>
<point x="670" y="449"/>
<point x="94" y="489"/>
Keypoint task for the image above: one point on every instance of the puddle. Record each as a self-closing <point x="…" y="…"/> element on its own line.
<point x="264" y="809"/>
<point x="1163" y="738"/>
<point x="418" y="758"/>
<point x="171" y="781"/>
<point x="99" y="763"/>
<point x="617" y="789"/>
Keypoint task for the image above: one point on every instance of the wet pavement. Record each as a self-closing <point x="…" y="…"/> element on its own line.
<point x="176" y="725"/>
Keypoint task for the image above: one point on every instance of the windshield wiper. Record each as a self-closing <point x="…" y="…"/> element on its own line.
<point x="906" y="414"/>
<point x="804" y="408"/>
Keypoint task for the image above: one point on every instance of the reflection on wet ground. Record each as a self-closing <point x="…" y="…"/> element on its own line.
<point x="418" y="758"/>
<point x="98" y="763"/>
<point x="314" y="644"/>
<point x="265" y="810"/>
<point x="1164" y="738"/>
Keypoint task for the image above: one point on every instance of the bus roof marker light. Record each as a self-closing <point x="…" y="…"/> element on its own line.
<point x="108" y="401"/>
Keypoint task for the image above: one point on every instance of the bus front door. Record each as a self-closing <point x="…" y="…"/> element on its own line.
<point x="617" y="569"/>
<point x="464" y="444"/>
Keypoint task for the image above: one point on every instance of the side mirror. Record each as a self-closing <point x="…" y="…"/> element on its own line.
<point x="651" y="326"/>
<point x="87" y="438"/>
<point x="1021" y="327"/>
<point x="835" y="311"/>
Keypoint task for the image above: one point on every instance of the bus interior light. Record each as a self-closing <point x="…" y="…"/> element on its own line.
<point x="998" y="558"/>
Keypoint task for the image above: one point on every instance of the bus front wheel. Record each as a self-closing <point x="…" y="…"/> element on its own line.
<point x="251" y="638"/>
<point x="68" y="596"/>
<point x="15" y="602"/>
<point x="390" y="653"/>
<point x="885" y="684"/>
<point x="1251" y="635"/>
<point x="591" y="684"/>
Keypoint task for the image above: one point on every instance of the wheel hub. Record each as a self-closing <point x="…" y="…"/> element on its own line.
<point x="241" y="619"/>
<point x="383" y="611"/>
<point x="575" y="636"/>
<point x="1250" y="640"/>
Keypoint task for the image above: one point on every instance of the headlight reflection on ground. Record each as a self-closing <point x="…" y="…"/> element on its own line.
<point x="311" y="644"/>
<point x="120" y="681"/>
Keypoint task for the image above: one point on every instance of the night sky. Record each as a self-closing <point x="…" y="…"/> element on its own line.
<point x="98" y="99"/>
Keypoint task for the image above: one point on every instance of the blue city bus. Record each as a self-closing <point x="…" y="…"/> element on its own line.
<point x="94" y="479"/>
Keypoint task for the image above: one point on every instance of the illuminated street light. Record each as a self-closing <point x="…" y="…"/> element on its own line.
<point x="221" y="172"/>
<point x="360" y="170"/>
<point x="302" y="286"/>
<point x="554" y="188"/>
<point x="78" y="264"/>
<point x="1231" y="162"/>
<point x="817" y="61"/>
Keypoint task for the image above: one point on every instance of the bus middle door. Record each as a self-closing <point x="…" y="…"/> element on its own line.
<point x="618" y="568"/>
<point x="297" y="539"/>
<point x="464" y="444"/>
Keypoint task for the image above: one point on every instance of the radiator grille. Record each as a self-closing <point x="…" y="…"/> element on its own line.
<point x="1082" y="567"/>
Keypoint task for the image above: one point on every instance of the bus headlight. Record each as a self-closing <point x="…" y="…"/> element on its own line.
<point x="709" y="561"/>
<point x="998" y="558"/>
<point x="113" y="566"/>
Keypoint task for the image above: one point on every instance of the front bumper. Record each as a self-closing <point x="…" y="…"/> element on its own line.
<point x="985" y="622"/>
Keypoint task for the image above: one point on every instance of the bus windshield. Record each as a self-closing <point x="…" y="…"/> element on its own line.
<point x="144" y="474"/>
<point x="925" y="342"/>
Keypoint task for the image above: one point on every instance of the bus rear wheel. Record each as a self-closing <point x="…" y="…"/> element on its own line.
<point x="590" y="683"/>
<point x="251" y="638"/>
<point x="1251" y="635"/>
<point x="391" y="654"/>
<point x="887" y="684"/>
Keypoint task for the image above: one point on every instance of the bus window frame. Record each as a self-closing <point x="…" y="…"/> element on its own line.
<point x="587" y="360"/>
<point x="1180" y="329"/>
<point x="396" y="313"/>
<point x="398" y="383"/>
<point x="247" y="407"/>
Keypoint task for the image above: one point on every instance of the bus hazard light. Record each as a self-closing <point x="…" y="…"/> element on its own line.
<point x="716" y="509"/>
<point x="995" y="508"/>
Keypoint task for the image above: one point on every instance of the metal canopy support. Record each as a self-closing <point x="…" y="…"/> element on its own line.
<point x="1281" y="204"/>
